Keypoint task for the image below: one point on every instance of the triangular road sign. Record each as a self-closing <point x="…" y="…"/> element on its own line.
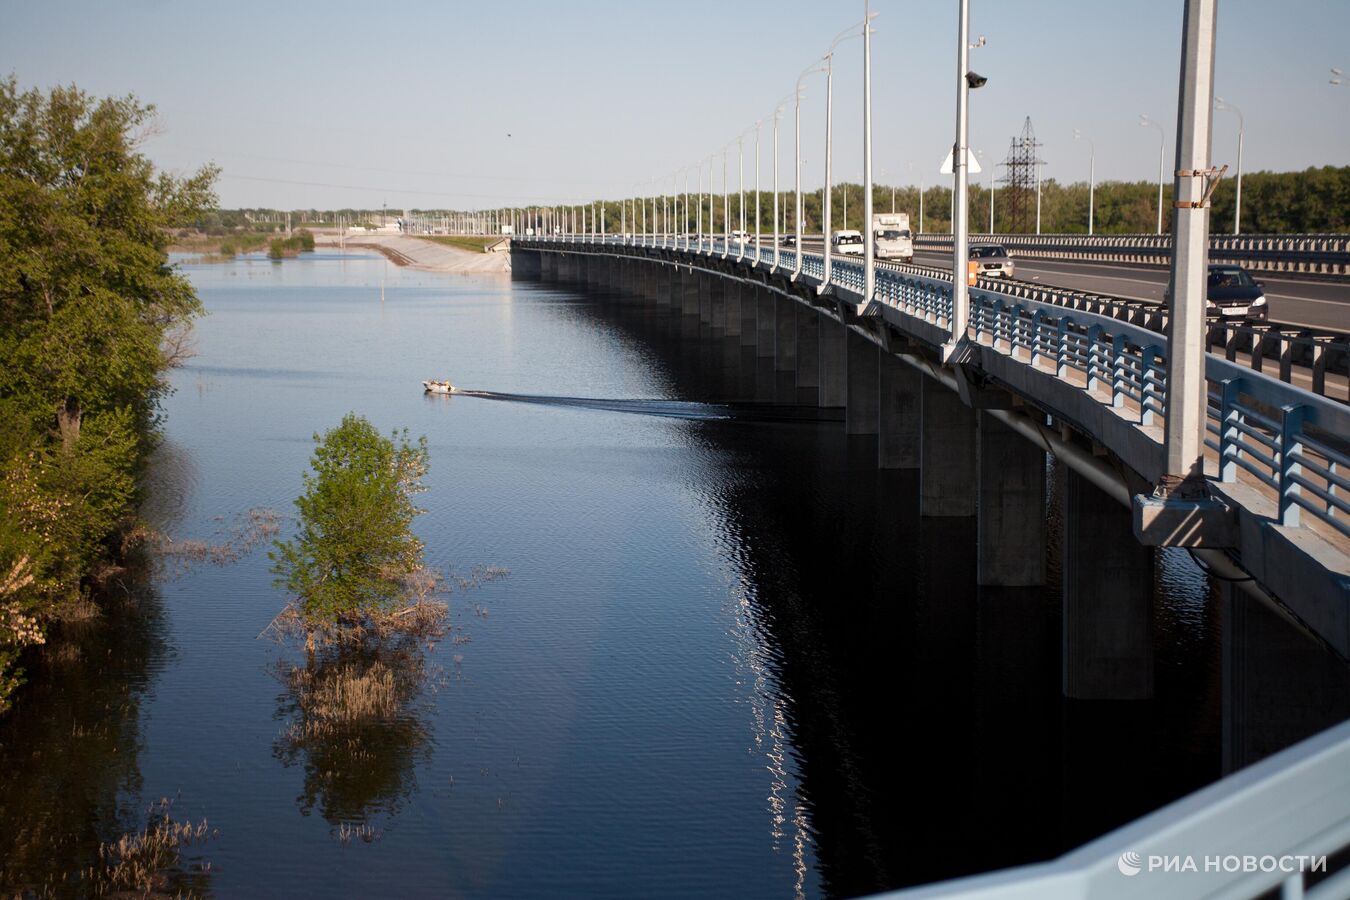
<point x="972" y="165"/>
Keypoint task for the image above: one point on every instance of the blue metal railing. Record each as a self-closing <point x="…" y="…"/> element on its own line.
<point x="1292" y="441"/>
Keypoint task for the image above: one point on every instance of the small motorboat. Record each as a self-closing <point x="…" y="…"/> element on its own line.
<point x="440" y="387"/>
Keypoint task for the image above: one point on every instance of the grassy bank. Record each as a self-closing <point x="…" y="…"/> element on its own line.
<point x="463" y="242"/>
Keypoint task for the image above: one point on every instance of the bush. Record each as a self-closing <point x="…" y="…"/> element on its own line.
<point x="354" y="549"/>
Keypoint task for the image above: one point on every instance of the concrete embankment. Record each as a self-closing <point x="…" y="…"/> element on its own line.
<point x="430" y="256"/>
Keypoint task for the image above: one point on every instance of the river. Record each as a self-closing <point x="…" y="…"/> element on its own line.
<point x="728" y="658"/>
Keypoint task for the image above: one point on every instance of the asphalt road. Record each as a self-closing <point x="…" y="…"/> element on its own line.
<point x="1312" y="304"/>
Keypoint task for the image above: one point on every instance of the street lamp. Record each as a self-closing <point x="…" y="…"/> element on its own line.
<point x="1220" y="103"/>
<point x="1092" y="171"/>
<point x="777" y="114"/>
<point x="1146" y="122"/>
<point x="961" y="176"/>
<point x="797" y="246"/>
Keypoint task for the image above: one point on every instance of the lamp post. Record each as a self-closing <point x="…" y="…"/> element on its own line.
<point x="826" y="195"/>
<point x="726" y="207"/>
<point x="961" y="175"/>
<point x="740" y="179"/>
<point x="757" y="246"/>
<point x="869" y="237"/>
<point x="712" y="210"/>
<point x="1220" y="103"/>
<point x="1092" y="172"/>
<point x="1146" y="122"/>
<point x="797" y="245"/>
<point x="777" y="114"/>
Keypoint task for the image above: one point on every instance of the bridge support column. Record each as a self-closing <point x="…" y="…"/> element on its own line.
<point x="832" y="362"/>
<point x="704" y="297"/>
<point x="718" y="298"/>
<point x="784" y="334"/>
<point x="1011" y="507"/>
<point x="1108" y="598"/>
<point x="1279" y="685"/>
<point x="731" y="298"/>
<point x="808" y="352"/>
<point x="764" y="323"/>
<point x="946" y="452"/>
<point x="749" y="306"/>
<point x="689" y="292"/>
<point x="898" y="413"/>
<point x="862" y="415"/>
<point x="548" y="267"/>
<point x="662" y="286"/>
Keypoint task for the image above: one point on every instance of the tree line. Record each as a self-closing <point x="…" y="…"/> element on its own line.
<point x="91" y="318"/>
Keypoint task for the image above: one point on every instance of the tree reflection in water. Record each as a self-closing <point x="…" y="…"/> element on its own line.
<point x="353" y="714"/>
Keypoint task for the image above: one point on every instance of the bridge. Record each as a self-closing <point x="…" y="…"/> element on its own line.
<point x="1239" y="457"/>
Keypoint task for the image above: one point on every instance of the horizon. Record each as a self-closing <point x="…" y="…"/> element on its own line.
<point x="343" y="109"/>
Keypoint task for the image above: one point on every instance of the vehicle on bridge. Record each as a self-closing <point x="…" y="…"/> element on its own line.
<point x="992" y="261"/>
<point x="847" y="242"/>
<point x="1230" y="294"/>
<point x="892" y="237"/>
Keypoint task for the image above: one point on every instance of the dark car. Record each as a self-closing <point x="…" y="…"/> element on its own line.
<point x="788" y="240"/>
<point x="1231" y="293"/>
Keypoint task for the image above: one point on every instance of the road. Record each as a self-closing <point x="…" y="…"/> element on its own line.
<point x="1309" y="303"/>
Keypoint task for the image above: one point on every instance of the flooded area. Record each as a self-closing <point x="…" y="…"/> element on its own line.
<point x="727" y="658"/>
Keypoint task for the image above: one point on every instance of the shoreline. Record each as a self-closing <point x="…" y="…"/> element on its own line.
<point x="428" y="256"/>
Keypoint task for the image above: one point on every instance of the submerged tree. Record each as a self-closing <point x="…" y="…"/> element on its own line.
<point x="354" y="557"/>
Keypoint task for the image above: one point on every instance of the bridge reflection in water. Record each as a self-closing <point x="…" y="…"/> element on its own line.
<point x="938" y="722"/>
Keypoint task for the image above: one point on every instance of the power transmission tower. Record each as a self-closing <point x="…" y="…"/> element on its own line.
<point x="1021" y="176"/>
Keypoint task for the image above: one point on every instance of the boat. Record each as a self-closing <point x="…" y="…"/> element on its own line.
<point x="440" y="387"/>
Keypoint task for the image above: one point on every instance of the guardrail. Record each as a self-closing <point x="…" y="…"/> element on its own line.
<point x="1290" y="439"/>
<point x="1315" y="254"/>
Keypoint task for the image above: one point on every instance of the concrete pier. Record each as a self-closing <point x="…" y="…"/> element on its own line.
<point x="862" y="414"/>
<point x="1108" y="598"/>
<point x="765" y="323"/>
<point x="947" y="453"/>
<point x="832" y="357"/>
<point x="784" y="335"/>
<point x="1011" y="507"/>
<point x="898" y="413"/>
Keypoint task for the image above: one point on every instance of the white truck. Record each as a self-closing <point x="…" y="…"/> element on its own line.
<point x="892" y="237"/>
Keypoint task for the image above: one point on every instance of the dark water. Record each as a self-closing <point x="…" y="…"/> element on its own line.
<point x="729" y="657"/>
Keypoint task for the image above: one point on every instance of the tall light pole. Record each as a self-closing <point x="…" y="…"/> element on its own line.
<point x="1092" y="172"/>
<point x="1187" y="391"/>
<point x="777" y="114"/>
<point x="726" y="207"/>
<point x="1146" y="122"/>
<point x="797" y="246"/>
<point x="869" y="238"/>
<point x="826" y="195"/>
<point x="740" y="185"/>
<point x="757" y="226"/>
<point x="1220" y="103"/>
<point x="961" y="176"/>
<point x="712" y="209"/>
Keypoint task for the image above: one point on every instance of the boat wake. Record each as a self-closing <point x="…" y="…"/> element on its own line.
<point x="670" y="409"/>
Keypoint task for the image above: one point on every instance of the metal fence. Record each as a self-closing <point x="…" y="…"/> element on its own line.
<point x="1315" y="254"/>
<point x="1290" y="439"/>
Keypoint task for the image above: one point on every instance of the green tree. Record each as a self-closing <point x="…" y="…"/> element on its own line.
<point x="354" y="549"/>
<point x="91" y="316"/>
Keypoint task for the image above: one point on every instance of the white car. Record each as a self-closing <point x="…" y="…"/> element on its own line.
<point x="847" y="242"/>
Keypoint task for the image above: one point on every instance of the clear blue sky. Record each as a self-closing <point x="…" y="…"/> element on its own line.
<point x="411" y="104"/>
